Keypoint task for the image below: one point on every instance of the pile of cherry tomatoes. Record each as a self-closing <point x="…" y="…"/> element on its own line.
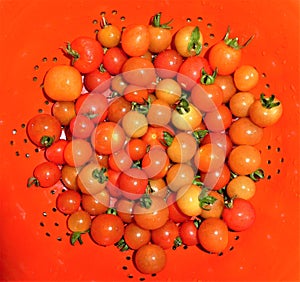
<point x="154" y="143"/>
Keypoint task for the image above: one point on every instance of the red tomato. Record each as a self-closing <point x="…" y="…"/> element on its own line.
<point x="97" y="81"/>
<point x="133" y="93"/>
<point x="136" y="148"/>
<point x="213" y="235"/>
<point x="45" y="174"/>
<point x="112" y="184"/>
<point x="86" y="53"/>
<point x="108" y="137"/>
<point x="188" y="232"/>
<point x="133" y="183"/>
<point x="55" y="153"/>
<point x="68" y="202"/>
<point x="119" y="160"/>
<point x="240" y="216"/>
<point x="219" y="119"/>
<point x="81" y="126"/>
<point x="190" y="71"/>
<point x="135" y="39"/>
<point x="113" y="60"/>
<point x="107" y="229"/>
<point x="219" y="138"/>
<point x="166" y="236"/>
<point x="155" y="136"/>
<point x="175" y="214"/>
<point x="136" y="237"/>
<point x="43" y="130"/>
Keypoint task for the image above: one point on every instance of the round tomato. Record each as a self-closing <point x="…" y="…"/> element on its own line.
<point x="245" y="77"/>
<point x="117" y="108"/>
<point x="63" y="83"/>
<point x="136" y="148"/>
<point x="240" y="216"/>
<point x="119" y="160"/>
<point x="168" y="90"/>
<point x="109" y="35"/>
<point x="213" y="235"/>
<point x="97" y="81"/>
<point x="241" y="187"/>
<point x="159" y="113"/>
<point x="240" y="103"/>
<point x="68" y="202"/>
<point x="64" y="111"/>
<point x="97" y="203"/>
<point x="81" y="126"/>
<point x="226" y="83"/>
<point x="175" y="214"/>
<point x="134" y="124"/>
<point x="135" y="236"/>
<point x="69" y="177"/>
<point x="113" y="60"/>
<point x="86" y="53"/>
<point x="43" y="130"/>
<point x="55" y="153"/>
<point x="188" y="232"/>
<point x="218" y="120"/>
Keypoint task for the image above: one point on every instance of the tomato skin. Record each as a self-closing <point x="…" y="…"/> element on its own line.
<point x="166" y="235"/>
<point x="155" y="136"/>
<point x="87" y="54"/>
<point x="150" y="259"/>
<point x="160" y="38"/>
<point x="240" y="103"/>
<point x="133" y="93"/>
<point x="107" y="229"/>
<point x="245" y="77"/>
<point x="109" y="35"/>
<point x="117" y="108"/>
<point x="175" y="214"/>
<point x="113" y="60"/>
<point x="64" y="111"/>
<point x="79" y="221"/>
<point x="213" y="235"/>
<point x="240" y="216"/>
<point x="97" y="81"/>
<point x="225" y="58"/>
<point x="152" y="217"/>
<point x="69" y="176"/>
<point x="188" y="233"/>
<point x="108" y="137"/>
<point x="214" y="209"/>
<point x="133" y="183"/>
<point x="241" y="187"/>
<point x="219" y="119"/>
<point x="68" y="202"/>
<point x="45" y="174"/>
<point x="124" y="209"/>
<point x="221" y="139"/>
<point x="63" y="83"/>
<point x="167" y="63"/>
<point x="136" y="237"/>
<point x="190" y="71"/>
<point x="97" y="203"/>
<point x="43" y="130"/>
<point x="135" y="40"/>
<point x="226" y="83"/>
<point x="119" y="160"/>
<point x="55" y="153"/>
<point x="136" y="148"/>
<point x="81" y="126"/>
<point x="134" y="124"/>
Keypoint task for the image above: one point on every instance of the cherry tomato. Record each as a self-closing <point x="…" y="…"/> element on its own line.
<point x="86" y="53"/>
<point x="109" y="35"/>
<point x="117" y="108"/>
<point x="97" y="81"/>
<point x="209" y="157"/>
<point x="79" y="221"/>
<point x="244" y="132"/>
<point x="240" y="103"/>
<point x="45" y="174"/>
<point x="43" y="130"/>
<point x="187" y="199"/>
<point x="136" y="148"/>
<point x="77" y="152"/>
<point x="69" y="177"/>
<point x="108" y="137"/>
<point x="113" y="60"/>
<point x="188" y="232"/>
<point x="245" y="77"/>
<point x="167" y="63"/>
<point x="112" y="184"/>
<point x="166" y="236"/>
<point x="240" y="216"/>
<point x="241" y="187"/>
<point x="190" y="71"/>
<point x="133" y="183"/>
<point x="92" y="105"/>
<point x="68" y="202"/>
<point x="107" y="229"/>
<point x="159" y="113"/>
<point x="135" y="236"/>
<point x="81" y="126"/>
<point x="155" y="163"/>
<point x="138" y="71"/>
<point x="134" y="124"/>
<point x="55" y="153"/>
<point x="221" y="139"/>
<point x="265" y="111"/>
<point x="92" y="178"/>
<point x="178" y="175"/>
<point x="135" y="39"/>
<point x="213" y="235"/>
<point x="150" y="259"/>
<point x="188" y="41"/>
<point x="175" y="214"/>
<point x="160" y="35"/>
<point x="155" y="136"/>
<point x="63" y="83"/>
<point x="64" y="111"/>
<point x="133" y="93"/>
<point x="119" y="160"/>
<point x="168" y="90"/>
<point x="158" y="187"/>
<point x="151" y="212"/>
<point x="97" y="203"/>
<point x="244" y="159"/>
<point x="227" y="85"/>
<point x="181" y="148"/>
<point x="219" y="119"/>
<point x="212" y="204"/>
<point x="124" y="209"/>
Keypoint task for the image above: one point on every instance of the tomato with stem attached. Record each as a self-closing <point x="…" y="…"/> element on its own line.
<point x="109" y="35"/>
<point x="55" y="153"/>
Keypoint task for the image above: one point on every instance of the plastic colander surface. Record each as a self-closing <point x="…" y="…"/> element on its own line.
<point x="34" y="243"/>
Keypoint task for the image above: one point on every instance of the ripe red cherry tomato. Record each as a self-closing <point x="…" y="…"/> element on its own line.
<point x="113" y="60"/>
<point x="86" y="53"/>
<point x="55" y="153"/>
<point x="97" y="81"/>
<point x="240" y="216"/>
<point x="68" y="202"/>
<point x="188" y="232"/>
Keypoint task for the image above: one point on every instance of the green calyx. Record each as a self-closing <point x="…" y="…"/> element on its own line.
<point x="76" y="236"/>
<point x="199" y="134"/>
<point x="167" y="138"/>
<point x="146" y="201"/>
<point x="100" y="175"/>
<point x="194" y="43"/>
<point x="234" y="42"/>
<point x="183" y="106"/>
<point x="47" y="141"/>
<point x="74" y="54"/>
<point x="156" y="22"/>
<point x="268" y="102"/>
<point x="205" y="199"/>
<point x="208" y="79"/>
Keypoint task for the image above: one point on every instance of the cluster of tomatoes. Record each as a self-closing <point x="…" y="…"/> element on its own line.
<point x="154" y="143"/>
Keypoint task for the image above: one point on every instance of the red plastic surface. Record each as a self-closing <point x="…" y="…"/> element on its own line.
<point x="33" y="242"/>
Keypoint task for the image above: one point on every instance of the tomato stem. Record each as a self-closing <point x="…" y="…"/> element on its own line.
<point x="205" y="199"/>
<point x="194" y="43"/>
<point x="167" y="138"/>
<point x="47" y="141"/>
<point x="33" y="181"/>
<point x="74" y="54"/>
<point x="111" y="211"/>
<point x="183" y="106"/>
<point x="156" y="22"/>
<point x="234" y="42"/>
<point x="257" y="175"/>
<point x="122" y="245"/>
<point x="197" y="182"/>
<point x="76" y="236"/>
<point x="99" y="174"/>
<point x="268" y="102"/>
<point x="199" y="134"/>
<point x="177" y="243"/>
<point x="208" y="79"/>
<point x="145" y="201"/>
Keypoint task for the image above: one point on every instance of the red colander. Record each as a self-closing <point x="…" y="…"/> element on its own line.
<point x="34" y="243"/>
